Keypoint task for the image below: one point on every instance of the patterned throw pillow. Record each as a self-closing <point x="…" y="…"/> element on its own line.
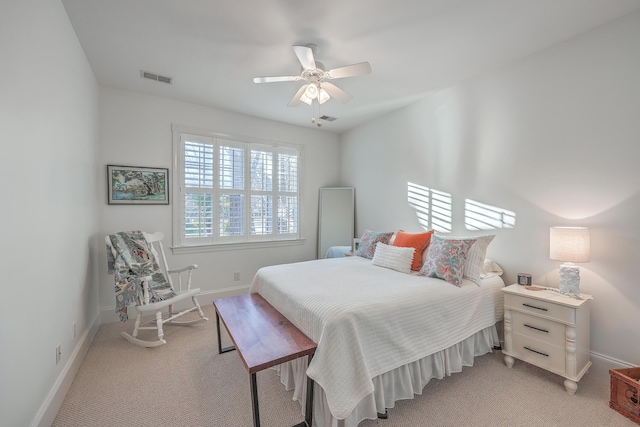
<point x="394" y="257"/>
<point x="445" y="259"/>
<point x="475" y="256"/>
<point x="368" y="241"/>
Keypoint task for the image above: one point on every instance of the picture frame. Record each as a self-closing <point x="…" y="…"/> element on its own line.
<point x="137" y="185"/>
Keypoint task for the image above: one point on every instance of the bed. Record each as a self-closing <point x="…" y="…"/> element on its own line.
<point x="381" y="334"/>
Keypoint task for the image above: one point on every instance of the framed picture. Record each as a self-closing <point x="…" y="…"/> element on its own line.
<point x="131" y="185"/>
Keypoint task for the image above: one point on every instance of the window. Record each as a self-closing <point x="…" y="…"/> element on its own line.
<point x="232" y="191"/>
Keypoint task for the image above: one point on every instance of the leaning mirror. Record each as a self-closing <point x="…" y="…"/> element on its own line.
<point x="335" y="221"/>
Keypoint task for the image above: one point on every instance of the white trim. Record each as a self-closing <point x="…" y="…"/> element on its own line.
<point x="601" y="363"/>
<point x="207" y="297"/>
<point x="176" y="178"/>
<point x="235" y="246"/>
<point x="49" y="409"/>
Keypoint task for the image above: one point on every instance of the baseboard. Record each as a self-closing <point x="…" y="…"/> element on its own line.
<point x="601" y="363"/>
<point x="51" y="405"/>
<point x="108" y="314"/>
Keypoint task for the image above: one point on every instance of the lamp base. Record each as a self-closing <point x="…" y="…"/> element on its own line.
<point x="569" y="278"/>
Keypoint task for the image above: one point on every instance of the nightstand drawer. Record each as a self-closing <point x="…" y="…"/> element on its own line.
<point x="541" y="308"/>
<point x="539" y="353"/>
<point x="538" y="328"/>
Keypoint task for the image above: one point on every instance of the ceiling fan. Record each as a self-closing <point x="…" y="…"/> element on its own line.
<point x="316" y="86"/>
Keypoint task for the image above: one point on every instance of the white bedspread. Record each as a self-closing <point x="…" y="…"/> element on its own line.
<point x="368" y="320"/>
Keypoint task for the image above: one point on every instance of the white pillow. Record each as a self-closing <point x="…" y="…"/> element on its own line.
<point x="394" y="257"/>
<point x="475" y="258"/>
<point x="490" y="269"/>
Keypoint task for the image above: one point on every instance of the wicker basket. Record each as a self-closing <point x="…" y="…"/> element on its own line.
<point x="625" y="392"/>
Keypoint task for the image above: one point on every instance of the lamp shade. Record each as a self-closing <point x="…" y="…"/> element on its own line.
<point x="312" y="91"/>
<point x="323" y="96"/>
<point x="570" y="244"/>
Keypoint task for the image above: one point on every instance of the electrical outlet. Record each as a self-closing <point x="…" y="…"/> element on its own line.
<point x="58" y="353"/>
<point x="236" y="276"/>
<point x="73" y="328"/>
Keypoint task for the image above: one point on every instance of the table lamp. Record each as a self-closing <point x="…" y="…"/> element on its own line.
<point x="569" y="244"/>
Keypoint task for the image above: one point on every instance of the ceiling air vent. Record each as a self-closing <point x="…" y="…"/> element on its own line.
<point x="328" y="118"/>
<point x="151" y="76"/>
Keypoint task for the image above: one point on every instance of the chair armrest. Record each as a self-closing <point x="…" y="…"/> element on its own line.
<point x="180" y="270"/>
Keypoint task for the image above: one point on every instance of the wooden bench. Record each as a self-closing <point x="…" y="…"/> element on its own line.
<point x="264" y="338"/>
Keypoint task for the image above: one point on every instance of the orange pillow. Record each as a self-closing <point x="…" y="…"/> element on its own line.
<point x="419" y="241"/>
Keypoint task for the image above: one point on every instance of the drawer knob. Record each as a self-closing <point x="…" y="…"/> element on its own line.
<point x="533" y="306"/>
<point x="536" y="351"/>
<point x="536" y="328"/>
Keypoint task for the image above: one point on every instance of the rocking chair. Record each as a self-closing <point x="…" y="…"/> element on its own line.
<point x="143" y="278"/>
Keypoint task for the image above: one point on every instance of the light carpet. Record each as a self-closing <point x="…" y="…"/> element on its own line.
<point x="187" y="383"/>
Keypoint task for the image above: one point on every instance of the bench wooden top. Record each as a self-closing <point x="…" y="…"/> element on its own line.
<point x="262" y="336"/>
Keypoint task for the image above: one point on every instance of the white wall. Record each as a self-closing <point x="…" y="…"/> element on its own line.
<point x="555" y="138"/>
<point x="49" y="216"/>
<point x="135" y="129"/>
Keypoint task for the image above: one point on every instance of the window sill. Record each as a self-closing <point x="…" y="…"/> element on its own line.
<point x="235" y="246"/>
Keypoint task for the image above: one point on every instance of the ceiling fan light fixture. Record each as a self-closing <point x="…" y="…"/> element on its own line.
<point x="312" y="91"/>
<point x="315" y="76"/>
<point x="304" y="98"/>
<point x="323" y="96"/>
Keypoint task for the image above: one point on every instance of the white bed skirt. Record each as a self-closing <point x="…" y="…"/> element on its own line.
<point x="401" y="383"/>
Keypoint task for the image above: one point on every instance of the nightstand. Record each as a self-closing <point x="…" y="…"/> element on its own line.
<point x="548" y="330"/>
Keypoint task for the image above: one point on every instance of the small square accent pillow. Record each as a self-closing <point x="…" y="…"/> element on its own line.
<point x="445" y="259"/>
<point x="393" y="257"/>
<point x="367" y="247"/>
<point x="419" y="241"/>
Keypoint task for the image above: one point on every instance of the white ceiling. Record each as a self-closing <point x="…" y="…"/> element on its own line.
<point x="213" y="48"/>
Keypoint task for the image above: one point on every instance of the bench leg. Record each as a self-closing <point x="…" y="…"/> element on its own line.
<point x="308" y="418"/>
<point x="220" y="349"/>
<point x="254" y="401"/>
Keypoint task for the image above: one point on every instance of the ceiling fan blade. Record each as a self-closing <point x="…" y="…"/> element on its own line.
<point x="305" y="56"/>
<point x="276" y="79"/>
<point x="295" y="101"/>
<point x="350" y="70"/>
<point x="335" y="92"/>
